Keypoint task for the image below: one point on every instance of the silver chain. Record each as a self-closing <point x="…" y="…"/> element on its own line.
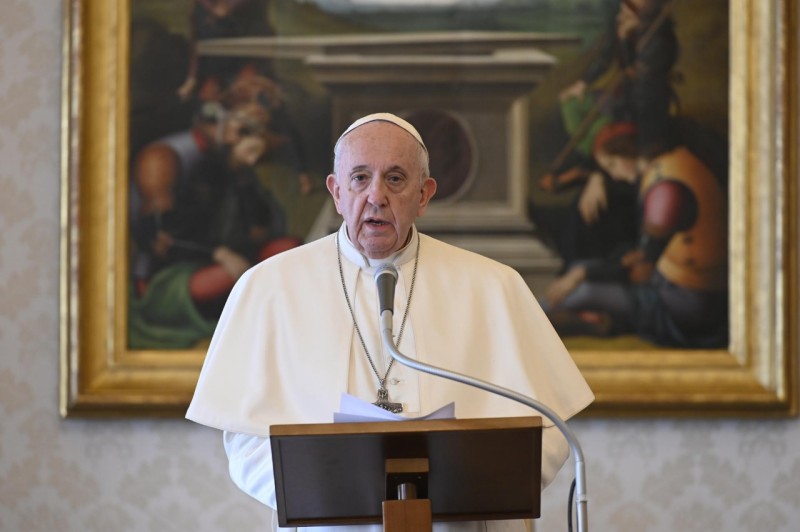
<point x="381" y="381"/>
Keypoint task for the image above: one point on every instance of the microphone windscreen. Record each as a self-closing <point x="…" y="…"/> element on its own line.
<point x="386" y="280"/>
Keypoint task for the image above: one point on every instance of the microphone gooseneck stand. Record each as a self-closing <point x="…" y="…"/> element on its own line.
<point x="385" y="278"/>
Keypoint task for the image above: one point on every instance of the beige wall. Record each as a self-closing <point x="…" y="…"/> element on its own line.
<point x="169" y="475"/>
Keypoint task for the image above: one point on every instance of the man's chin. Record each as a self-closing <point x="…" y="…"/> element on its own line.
<point x="378" y="248"/>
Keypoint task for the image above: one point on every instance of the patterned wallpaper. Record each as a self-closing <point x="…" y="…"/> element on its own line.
<point x="169" y="475"/>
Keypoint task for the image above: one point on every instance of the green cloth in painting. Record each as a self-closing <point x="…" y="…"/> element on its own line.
<point x="165" y="316"/>
<point x="573" y="112"/>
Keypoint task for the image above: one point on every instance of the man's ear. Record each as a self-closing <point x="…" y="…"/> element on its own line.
<point x="333" y="188"/>
<point x="428" y="191"/>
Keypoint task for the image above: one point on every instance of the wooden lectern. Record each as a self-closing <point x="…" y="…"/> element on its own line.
<point x="406" y="474"/>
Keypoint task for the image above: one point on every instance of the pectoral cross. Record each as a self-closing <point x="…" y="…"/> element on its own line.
<point x="384" y="402"/>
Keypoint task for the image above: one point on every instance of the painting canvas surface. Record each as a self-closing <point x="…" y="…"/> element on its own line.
<point x="229" y="151"/>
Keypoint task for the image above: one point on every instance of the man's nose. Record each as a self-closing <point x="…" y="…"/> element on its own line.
<point x="377" y="192"/>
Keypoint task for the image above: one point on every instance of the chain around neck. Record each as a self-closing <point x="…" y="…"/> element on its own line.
<point x="381" y="381"/>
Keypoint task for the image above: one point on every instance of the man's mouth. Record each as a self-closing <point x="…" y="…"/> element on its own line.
<point x="375" y="222"/>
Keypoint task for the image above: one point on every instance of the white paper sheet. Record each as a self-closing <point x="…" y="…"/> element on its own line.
<point x="354" y="410"/>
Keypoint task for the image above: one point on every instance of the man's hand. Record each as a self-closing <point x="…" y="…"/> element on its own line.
<point x="639" y="269"/>
<point x="576" y="90"/>
<point x="186" y="89"/>
<point x="305" y="183"/>
<point x="550" y="182"/>
<point x="232" y="262"/>
<point x="547" y="182"/>
<point x="593" y="198"/>
<point x="627" y="21"/>
<point x="162" y="243"/>
<point x="564" y="285"/>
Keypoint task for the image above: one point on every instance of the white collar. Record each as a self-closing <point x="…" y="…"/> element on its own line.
<point x="398" y="258"/>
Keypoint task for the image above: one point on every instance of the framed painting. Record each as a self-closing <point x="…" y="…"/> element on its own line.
<point x="197" y="137"/>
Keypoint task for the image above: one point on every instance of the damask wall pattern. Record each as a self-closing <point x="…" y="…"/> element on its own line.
<point x="169" y="475"/>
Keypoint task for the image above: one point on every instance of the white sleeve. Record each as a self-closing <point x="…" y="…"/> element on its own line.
<point x="250" y="466"/>
<point x="555" y="451"/>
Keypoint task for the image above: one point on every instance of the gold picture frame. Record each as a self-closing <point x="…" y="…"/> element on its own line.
<point x="755" y="376"/>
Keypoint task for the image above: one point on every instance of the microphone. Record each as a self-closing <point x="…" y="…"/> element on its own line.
<point x="386" y="281"/>
<point x="387" y="274"/>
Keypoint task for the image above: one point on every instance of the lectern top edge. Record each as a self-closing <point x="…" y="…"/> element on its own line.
<point x="394" y="427"/>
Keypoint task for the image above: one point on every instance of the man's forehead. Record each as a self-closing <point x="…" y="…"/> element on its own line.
<point x="381" y="118"/>
<point x="356" y="167"/>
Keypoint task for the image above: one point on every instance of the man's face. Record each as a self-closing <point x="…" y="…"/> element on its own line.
<point x="378" y="187"/>
<point x="618" y="167"/>
<point x="246" y="152"/>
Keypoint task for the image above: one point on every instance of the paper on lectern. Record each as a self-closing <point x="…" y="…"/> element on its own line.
<point x="354" y="410"/>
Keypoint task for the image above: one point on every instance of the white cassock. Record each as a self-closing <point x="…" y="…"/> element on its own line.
<point x="285" y="349"/>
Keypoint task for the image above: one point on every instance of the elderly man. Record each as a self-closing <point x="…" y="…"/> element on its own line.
<point x="302" y="327"/>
